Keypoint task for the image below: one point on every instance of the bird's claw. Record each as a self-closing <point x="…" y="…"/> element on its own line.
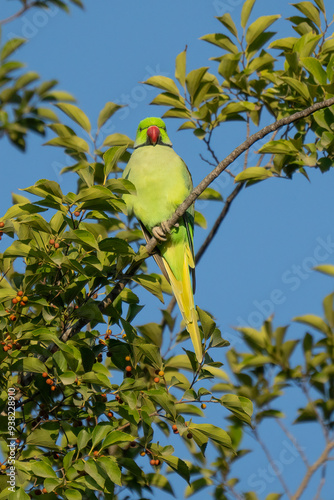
<point x="160" y="232"/>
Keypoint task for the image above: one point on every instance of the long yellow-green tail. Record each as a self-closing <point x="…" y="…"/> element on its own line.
<point x="182" y="290"/>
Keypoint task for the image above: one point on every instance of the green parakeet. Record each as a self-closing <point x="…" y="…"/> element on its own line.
<point x="162" y="183"/>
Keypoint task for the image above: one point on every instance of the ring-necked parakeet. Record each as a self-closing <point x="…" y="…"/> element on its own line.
<point x="162" y="183"/>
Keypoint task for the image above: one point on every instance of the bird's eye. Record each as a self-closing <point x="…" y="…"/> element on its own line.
<point x="140" y="129"/>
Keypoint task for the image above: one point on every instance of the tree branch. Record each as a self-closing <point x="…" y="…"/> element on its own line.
<point x="312" y="469"/>
<point x="192" y="197"/>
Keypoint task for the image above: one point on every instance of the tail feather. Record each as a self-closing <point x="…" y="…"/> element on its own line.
<point x="184" y="296"/>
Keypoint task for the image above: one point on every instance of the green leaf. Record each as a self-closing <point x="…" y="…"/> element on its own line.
<point x="107" y="112"/>
<point x="298" y="86"/>
<point x="118" y="140"/>
<point x="41" y="437"/>
<point x="68" y="378"/>
<point x="246" y="11"/>
<point x="200" y="220"/>
<point x="11" y="46"/>
<point x="109" y="464"/>
<point x="326" y="269"/>
<point x="310" y="11"/>
<point x="99" y="433"/>
<point x="152" y="352"/>
<point x="282" y="146"/>
<point x="194" y="78"/>
<point x="210" y="194"/>
<point x="315" y="68"/>
<point x="43" y="469"/>
<point x="227" y="21"/>
<point x="71" y="494"/>
<point x="208" y="325"/>
<point x="70" y="142"/>
<point x="258" y="27"/>
<point x="33" y="365"/>
<point x="117" y="437"/>
<point x="222" y="41"/>
<point x="111" y="157"/>
<point x="161" y="398"/>
<point x="163" y="82"/>
<point x="180" y="67"/>
<point x="313" y="321"/>
<point x="178" y="466"/>
<point x="215" y="433"/>
<point x="82" y="439"/>
<point x="253" y="173"/>
<point x="149" y="283"/>
<point x="76" y="114"/>
<point x="240" y="406"/>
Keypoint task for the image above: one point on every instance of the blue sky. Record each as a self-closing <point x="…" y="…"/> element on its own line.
<point x="261" y="260"/>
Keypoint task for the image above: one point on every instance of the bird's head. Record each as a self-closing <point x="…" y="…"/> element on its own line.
<point x="150" y="132"/>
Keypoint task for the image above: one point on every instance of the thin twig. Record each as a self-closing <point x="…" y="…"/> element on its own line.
<point x="322" y="481"/>
<point x="315" y="409"/>
<point x="17" y="14"/>
<point x="293" y="441"/>
<point x="272" y="463"/>
<point x="218" y="221"/>
<point x="312" y="469"/>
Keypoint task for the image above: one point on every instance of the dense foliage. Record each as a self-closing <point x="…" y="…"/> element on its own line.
<point x="97" y="399"/>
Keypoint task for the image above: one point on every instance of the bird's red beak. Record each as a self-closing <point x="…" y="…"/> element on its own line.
<point x="153" y="133"/>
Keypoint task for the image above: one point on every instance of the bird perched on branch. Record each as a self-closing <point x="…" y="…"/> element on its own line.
<point x="163" y="181"/>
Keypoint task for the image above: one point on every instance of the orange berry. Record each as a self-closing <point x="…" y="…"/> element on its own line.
<point x="95" y="296"/>
<point x="203" y="406"/>
<point x="157" y="462"/>
<point x="23" y="303"/>
<point x="3" y="467"/>
<point x="44" y="490"/>
<point x="49" y="381"/>
<point x="45" y="375"/>
<point x="176" y="431"/>
<point x="12" y="317"/>
<point x="152" y="462"/>
<point x="25" y="299"/>
<point x="108" y="332"/>
<point x="53" y="388"/>
<point x="6" y="348"/>
<point x="110" y="414"/>
<point x="128" y="368"/>
<point x="14" y="301"/>
<point x="156" y="380"/>
<point x="124" y="336"/>
<point x="143" y="453"/>
<point x="77" y="213"/>
<point x="127" y="358"/>
<point x="18" y="441"/>
<point x="20" y="293"/>
<point x="174" y="427"/>
<point x="57" y="245"/>
<point x="2" y="224"/>
<point x="52" y="241"/>
<point x="10" y="346"/>
<point x="161" y="373"/>
<point x="95" y="453"/>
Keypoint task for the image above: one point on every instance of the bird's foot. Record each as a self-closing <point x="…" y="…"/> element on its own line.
<point x="160" y="232"/>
